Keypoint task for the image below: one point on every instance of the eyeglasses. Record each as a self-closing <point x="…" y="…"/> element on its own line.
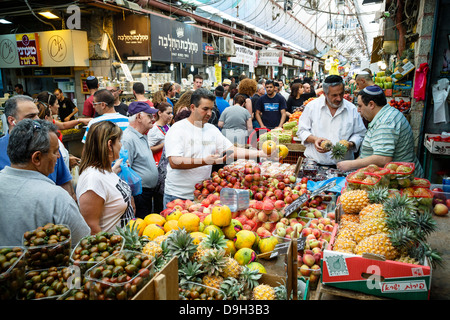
<point x="96" y="103"/>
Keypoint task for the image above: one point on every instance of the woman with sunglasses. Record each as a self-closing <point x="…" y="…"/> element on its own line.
<point x="105" y="200"/>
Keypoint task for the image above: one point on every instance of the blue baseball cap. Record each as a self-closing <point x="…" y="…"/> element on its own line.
<point x="140" y="106"/>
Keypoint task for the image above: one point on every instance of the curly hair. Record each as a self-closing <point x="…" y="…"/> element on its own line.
<point x="158" y="97"/>
<point x="247" y="86"/>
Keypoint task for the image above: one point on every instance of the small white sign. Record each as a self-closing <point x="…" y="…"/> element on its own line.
<point x="126" y="72"/>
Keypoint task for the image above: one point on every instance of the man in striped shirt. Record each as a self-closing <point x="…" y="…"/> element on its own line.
<point x="389" y="136"/>
<point x="104" y="106"/>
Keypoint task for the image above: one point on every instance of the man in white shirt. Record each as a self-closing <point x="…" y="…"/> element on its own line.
<point x="104" y="106"/>
<point x="193" y="145"/>
<point x="330" y="117"/>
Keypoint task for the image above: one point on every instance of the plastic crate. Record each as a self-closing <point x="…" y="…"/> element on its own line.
<point x="292" y="157"/>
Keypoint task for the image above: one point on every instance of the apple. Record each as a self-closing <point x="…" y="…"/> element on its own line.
<point x="281" y="232"/>
<point x="314" y="243"/>
<point x="262" y="216"/>
<point x="309" y="260"/>
<point x="285" y="221"/>
<point x="305" y="270"/>
<point x="317" y="233"/>
<point x="331" y="215"/>
<point x="279" y="204"/>
<point x="440" y="209"/>
<point x="447" y="203"/>
<point x="306" y="231"/>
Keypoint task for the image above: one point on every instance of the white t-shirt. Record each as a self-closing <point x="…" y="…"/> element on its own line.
<point x="155" y="136"/>
<point x="186" y="140"/>
<point x="117" y="210"/>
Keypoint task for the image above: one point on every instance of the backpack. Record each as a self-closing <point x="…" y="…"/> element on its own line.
<point x="215" y="115"/>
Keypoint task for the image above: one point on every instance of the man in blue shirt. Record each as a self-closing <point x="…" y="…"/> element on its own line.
<point x="221" y="103"/>
<point x="22" y="107"/>
<point x="271" y="108"/>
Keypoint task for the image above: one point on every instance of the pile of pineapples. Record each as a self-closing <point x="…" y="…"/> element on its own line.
<point x="386" y="224"/>
<point x="205" y="263"/>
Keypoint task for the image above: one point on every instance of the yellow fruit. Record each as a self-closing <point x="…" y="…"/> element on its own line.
<point x="155" y="218"/>
<point x="267" y="244"/>
<point x="198" y="236"/>
<point x="230" y="249"/>
<point x="189" y="221"/>
<point x="174" y="215"/>
<point x="353" y="201"/>
<point x="269" y="146"/>
<point x="141" y="224"/>
<point x="171" y="225"/>
<point x="207" y="221"/>
<point x="257" y="266"/>
<point x="244" y="256"/>
<point x="221" y="216"/>
<point x="208" y="229"/>
<point x="245" y="239"/>
<point x="234" y="227"/>
<point x="283" y="151"/>
<point x="153" y="230"/>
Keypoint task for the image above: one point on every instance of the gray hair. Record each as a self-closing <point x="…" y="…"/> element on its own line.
<point x="11" y="105"/>
<point x="27" y="137"/>
<point x="201" y="94"/>
<point x="364" y="76"/>
<point x="326" y="86"/>
<point x="259" y="86"/>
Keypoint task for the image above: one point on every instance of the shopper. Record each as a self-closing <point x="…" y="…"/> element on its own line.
<point x="295" y="99"/>
<point x="220" y="101"/>
<point x="198" y="82"/>
<point x="364" y="79"/>
<point x="119" y="106"/>
<point x="177" y="90"/>
<point x="270" y="108"/>
<point x="169" y="92"/>
<point x="282" y="91"/>
<point x="105" y="200"/>
<point x="330" y="117"/>
<point x="67" y="109"/>
<point x="183" y="104"/>
<point x="104" y="106"/>
<point x="139" y="93"/>
<point x="140" y="157"/>
<point x="236" y="122"/>
<point x="157" y="133"/>
<point x="29" y="199"/>
<point x="260" y="91"/>
<point x="17" y="109"/>
<point x="88" y="107"/>
<point x="192" y="146"/>
<point x="389" y="136"/>
<point x="18" y="88"/>
<point x="247" y="88"/>
<point x="232" y="91"/>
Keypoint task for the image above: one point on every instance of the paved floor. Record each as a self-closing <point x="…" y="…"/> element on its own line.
<point x="440" y="279"/>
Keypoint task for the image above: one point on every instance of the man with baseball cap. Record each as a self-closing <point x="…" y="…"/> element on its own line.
<point x="140" y="157"/>
<point x="389" y="136"/>
<point x="330" y="117"/>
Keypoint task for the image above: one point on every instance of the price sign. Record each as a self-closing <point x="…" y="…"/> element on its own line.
<point x="283" y="248"/>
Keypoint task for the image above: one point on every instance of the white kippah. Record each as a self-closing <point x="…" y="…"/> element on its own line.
<point x="363" y="73"/>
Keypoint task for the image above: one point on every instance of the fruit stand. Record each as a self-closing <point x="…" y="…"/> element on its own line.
<point x="254" y="231"/>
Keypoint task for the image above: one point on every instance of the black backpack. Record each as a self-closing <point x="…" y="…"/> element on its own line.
<point x="215" y="115"/>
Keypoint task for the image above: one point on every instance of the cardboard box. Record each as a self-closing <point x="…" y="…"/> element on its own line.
<point x="436" y="147"/>
<point x="382" y="278"/>
<point x="402" y="71"/>
<point x="163" y="286"/>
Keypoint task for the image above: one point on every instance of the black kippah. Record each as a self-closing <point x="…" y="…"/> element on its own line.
<point x="333" y="79"/>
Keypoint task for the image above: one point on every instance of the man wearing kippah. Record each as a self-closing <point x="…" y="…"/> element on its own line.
<point x="330" y="117"/>
<point x="389" y="136"/>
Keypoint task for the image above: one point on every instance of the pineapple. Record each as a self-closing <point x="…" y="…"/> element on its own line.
<point x="388" y="244"/>
<point x="132" y="240"/>
<point x="160" y="239"/>
<point x="232" y="268"/>
<point x="180" y="244"/>
<point x="264" y="292"/>
<point x="249" y="277"/>
<point x="378" y="195"/>
<point x="399" y="201"/>
<point x="345" y="241"/>
<point x="233" y="289"/>
<point x="369" y="228"/>
<point x="326" y="145"/>
<point x="349" y="217"/>
<point x="353" y="201"/>
<point x="345" y="143"/>
<point x="339" y="151"/>
<point x="371" y="211"/>
<point x="214" y="240"/>
<point x="213" y="264"/>
<point x="348" y="226"/>
<point x="190" y="272"/>
<point x="152" y="249"/>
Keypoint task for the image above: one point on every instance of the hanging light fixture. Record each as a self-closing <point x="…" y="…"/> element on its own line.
<point x="192" y="68"/>
<point x="171" y="67"/>
<point x="149" y="63"/>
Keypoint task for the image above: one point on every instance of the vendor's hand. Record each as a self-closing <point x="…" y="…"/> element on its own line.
<point x="67" y="118"/>
<point x="215" y="159"/>
<point x="345" y="165"/>
<point x="317" y="143"/>
<point x="116" y="167"/>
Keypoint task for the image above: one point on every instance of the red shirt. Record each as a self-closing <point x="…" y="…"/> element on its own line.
<point x="88" y="107"/>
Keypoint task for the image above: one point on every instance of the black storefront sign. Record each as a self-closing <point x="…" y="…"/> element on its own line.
<point x="132" y="37"/>
<point x="174" y="41"/>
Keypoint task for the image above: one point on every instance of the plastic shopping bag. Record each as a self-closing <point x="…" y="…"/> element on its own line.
<point x="420" y="83"/>
<point x="440" y="94"/>
<point x="129" y="175"/>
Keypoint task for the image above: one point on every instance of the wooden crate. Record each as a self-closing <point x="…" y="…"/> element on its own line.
<point x="292" y="157"/>
<point x="163" y="286"/>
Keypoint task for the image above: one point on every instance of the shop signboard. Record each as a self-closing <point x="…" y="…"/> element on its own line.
<point x="208" y="48"/>
<point x="28" y="49"/>
<point x="270" y="58"/>
<point x="64" y="48"/>
<point x="245" y="56"/>
<point x="298" y="63"/>
<point x="132" y="37"/>
<point x="288" y="61"/>
<point x="8" y="51"/>
<point x="173" y="41"/>
<point x="307" y="64"/>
